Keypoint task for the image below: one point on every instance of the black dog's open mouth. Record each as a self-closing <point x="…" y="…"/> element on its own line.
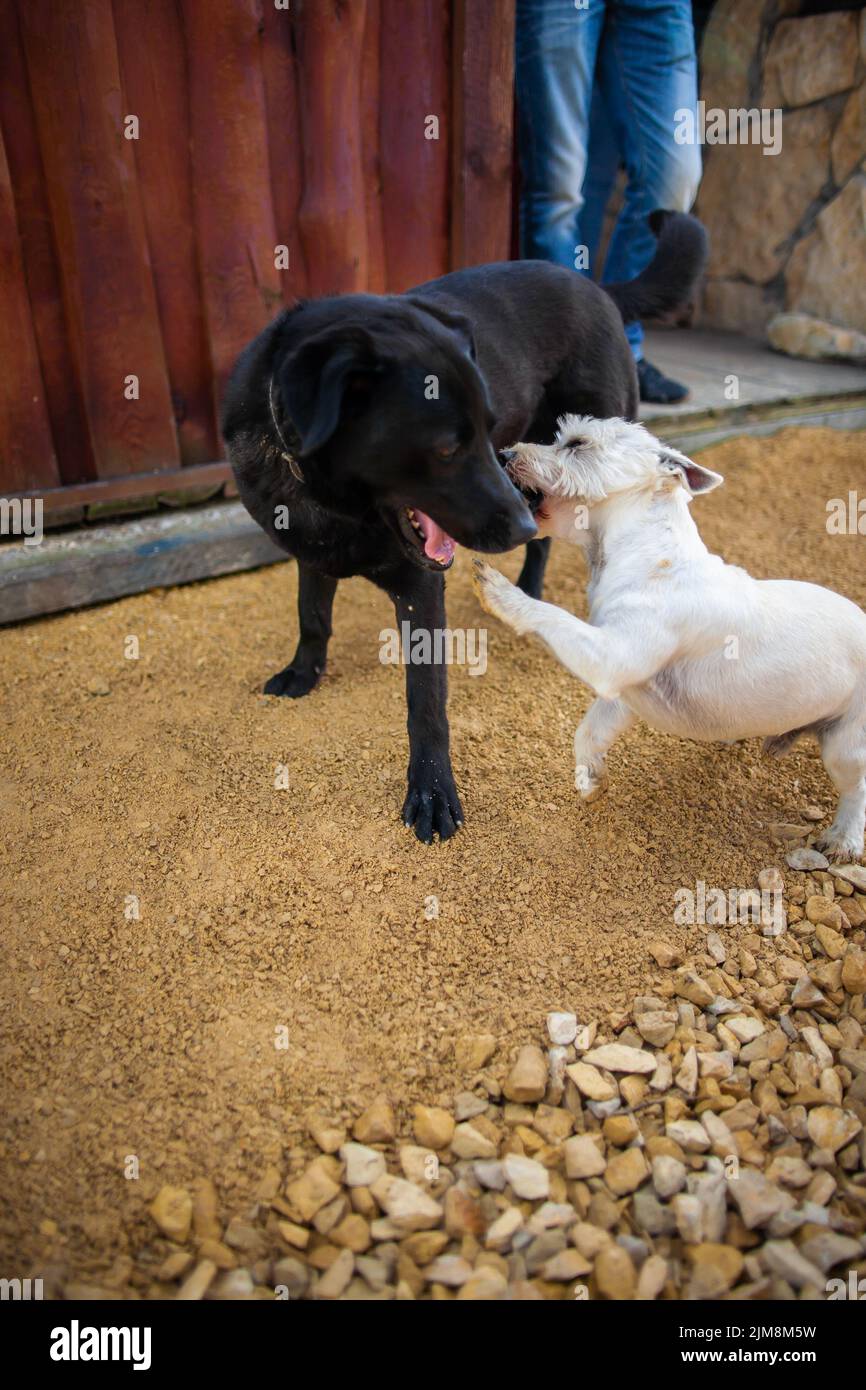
<point x="426" y="539"/>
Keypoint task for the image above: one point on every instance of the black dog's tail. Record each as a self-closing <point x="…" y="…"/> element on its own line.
<point x="671" y="276"/>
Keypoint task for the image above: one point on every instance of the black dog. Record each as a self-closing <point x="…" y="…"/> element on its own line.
<point x="370" y="422"/>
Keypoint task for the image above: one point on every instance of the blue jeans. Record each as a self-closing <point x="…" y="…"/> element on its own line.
<point x="598" y="87"/>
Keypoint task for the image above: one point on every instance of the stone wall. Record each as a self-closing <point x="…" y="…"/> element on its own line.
<point x="788" y="230"/>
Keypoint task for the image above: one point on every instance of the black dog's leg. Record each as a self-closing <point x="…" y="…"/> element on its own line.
<point x="531" y="579"/>
<point x="432" y="805"/>
<point x="315" y="601"/>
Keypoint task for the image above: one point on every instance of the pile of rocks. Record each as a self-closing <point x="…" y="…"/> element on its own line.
<point x="709" y="1143"/>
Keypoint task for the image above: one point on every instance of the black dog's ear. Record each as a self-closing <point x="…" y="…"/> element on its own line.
<point x="316" y="378"/>
<point x="459" y="324"/>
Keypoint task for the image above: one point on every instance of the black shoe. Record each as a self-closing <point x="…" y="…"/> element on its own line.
<point x="658" y="388"/>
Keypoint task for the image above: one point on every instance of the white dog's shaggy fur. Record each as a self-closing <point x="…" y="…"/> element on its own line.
<point x="677" y="637"/>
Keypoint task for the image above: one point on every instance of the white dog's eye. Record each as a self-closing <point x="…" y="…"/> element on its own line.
<point x="579" y="444"/>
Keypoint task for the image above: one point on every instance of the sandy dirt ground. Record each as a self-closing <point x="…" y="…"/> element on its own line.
<point x="285" y="956"/>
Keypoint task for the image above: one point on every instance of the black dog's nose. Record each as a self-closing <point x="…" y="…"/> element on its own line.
<point x="507" y="529"/>
<point x="525" y="530"/>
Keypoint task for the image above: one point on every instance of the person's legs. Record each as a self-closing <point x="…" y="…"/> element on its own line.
<point x="603" y="161"/>
<point x="647" y="70"/>
<point x="555" y="58"/>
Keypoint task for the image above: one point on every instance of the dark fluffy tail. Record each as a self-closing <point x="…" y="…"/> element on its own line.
<point x="671" y="276"/>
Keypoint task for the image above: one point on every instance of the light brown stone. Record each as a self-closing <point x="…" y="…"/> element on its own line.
<point x="823" y="911"/>
<point x="590" y="1082"/>
<point x="626" y="1171"/>
<point x="336" y="1278"/>
<point x="832" y="941"/>
<point x="171" y="1209"/>
<point x="469" y="1142"/>
<point x="407" y="1207"/>
<point x="615" y="1274"/>
<point x="205" y="1205"/>
<point x="196" y="1285"/>
<point x="584" y="1157"/>
<point x="854" y="970"/>
<point x="831" y="1128"/>
<point x="527" y="1080"/>
<point x="665" y="954"/>
<point x="474" y="1050"/>
<point x="656" y="1026"/>
<point x="433" y="1126"/>
<point x="377" y="1125"/>
<point x="310" y="1192"/>
<point x="752" y="202"/>
<point x="849" y="138"/>
<point x="352" y="1232"/>
<point x="618" y="1057"/>
<point x="826" y="274"/>
<point x="424" y="1246"/>
<point x="810" y="58"/>
<point x="730" y="40"/>
<point x="715" y="1269"/>
<point x="325" y="1133"/>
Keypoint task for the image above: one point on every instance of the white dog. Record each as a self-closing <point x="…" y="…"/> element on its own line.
<point x="677" y="637"/>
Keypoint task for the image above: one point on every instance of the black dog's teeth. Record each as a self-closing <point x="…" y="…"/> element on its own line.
<point x="416" y="524"/>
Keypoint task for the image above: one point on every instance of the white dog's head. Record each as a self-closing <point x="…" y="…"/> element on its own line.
<point x="592" y="461"/>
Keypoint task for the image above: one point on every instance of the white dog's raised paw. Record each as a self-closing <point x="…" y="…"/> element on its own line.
<point x="496" y="594"/>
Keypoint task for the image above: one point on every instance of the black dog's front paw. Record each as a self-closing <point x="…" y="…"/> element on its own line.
<point x="432" y="806"/>
<point x="293" y="682"/>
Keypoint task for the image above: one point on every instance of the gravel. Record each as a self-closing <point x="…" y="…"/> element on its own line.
<point x="707" y="1143"/>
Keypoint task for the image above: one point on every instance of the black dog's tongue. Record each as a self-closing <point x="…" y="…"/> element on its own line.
<point x="438" y="545"/>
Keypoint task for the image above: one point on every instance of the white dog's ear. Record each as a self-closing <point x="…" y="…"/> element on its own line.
<point x="694" y="475"/>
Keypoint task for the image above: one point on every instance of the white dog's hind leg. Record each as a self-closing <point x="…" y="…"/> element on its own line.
<point x="595" y="736"/>
<point x="843" y="750"/>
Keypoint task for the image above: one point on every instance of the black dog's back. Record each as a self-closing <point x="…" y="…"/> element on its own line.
<point x="550" y="341"/>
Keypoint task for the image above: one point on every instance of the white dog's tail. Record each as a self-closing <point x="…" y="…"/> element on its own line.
<point x="670" y="279"/>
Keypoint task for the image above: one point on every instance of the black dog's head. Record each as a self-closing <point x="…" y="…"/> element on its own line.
<point x="393" y="417"/>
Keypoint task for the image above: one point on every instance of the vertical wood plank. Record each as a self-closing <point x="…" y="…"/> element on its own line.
<point x="284" y="143"/>
<point x="416" y="172"/>
<point x="371" y="101"/>
<point x="27" y="458"/>
<point x="63" y="397"/>
<point x="231" y="177"/>
<point x="96" y="211"/>
<point x="150" y="44"/>
<point x="483" y="97"/>
<point x="333" y="216"/>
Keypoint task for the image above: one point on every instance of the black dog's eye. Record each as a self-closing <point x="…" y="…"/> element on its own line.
<point x="445" y="451"/>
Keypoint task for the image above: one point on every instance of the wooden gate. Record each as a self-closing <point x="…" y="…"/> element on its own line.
<point x="172" y="171"/>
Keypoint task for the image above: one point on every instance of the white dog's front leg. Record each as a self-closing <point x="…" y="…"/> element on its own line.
<point x="497" y="595"/>
<point x="606" y="660"/>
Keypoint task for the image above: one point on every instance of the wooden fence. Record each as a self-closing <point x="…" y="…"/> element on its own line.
<point x="172" y="171"/>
